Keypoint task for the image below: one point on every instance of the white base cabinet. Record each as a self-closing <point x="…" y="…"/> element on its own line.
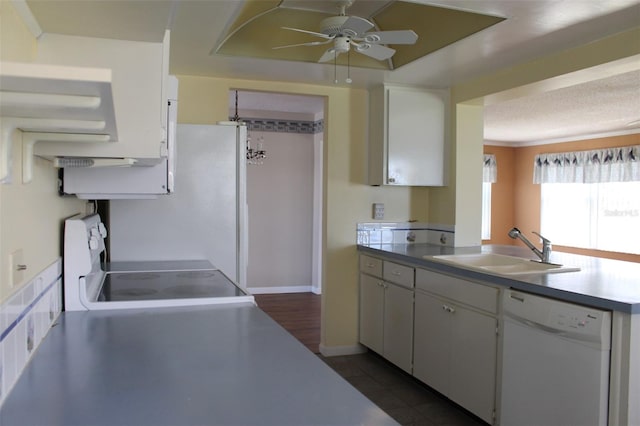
<point x="371" y="312"/>
<point x="398" y="326"/>
<point x="386" y="311"/>
<point x="455" y="342"/>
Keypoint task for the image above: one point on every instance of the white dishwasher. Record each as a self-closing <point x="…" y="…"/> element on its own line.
<point x="555" y="362"/>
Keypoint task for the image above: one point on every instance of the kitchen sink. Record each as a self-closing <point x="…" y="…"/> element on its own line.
<point x="502" y="264"/>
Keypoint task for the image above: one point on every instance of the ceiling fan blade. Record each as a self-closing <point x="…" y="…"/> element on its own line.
<point x="328" y="37"/>
<point x="374" y="51"/>
<point x="354" y="25"/>
<point x="391" y="37"/>
<point x="311" y="43"/>
<point x="329" y="55"/>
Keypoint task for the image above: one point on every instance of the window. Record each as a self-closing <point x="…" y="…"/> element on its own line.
<point x="591" y="199"/>
<point x="489" y="176"/>
<point x="486" y="210"/>
<point x="602" y="216"/>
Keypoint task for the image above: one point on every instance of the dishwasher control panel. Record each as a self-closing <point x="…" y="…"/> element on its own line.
<point x="558" y="317"/>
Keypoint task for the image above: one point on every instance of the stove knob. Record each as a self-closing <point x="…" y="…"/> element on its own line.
<point x="94" y="232"/>
<point x="93" y="243"/>
<point x="102" y="229"/>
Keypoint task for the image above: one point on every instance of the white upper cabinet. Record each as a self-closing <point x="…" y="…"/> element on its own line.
<point x="408" y="134"/>
<point x="139" y="75"/>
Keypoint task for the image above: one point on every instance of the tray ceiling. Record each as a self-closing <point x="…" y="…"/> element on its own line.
<point x="258" y="29"/>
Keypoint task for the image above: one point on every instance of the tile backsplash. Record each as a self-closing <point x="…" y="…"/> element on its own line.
<point x="25" y="319"/>
<point x="405" y="233"/>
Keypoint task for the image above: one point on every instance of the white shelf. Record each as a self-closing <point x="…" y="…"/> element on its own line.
<point x="53" y="101"/>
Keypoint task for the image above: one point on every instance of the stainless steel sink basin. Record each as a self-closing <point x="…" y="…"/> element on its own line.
<point x="501" y="265"/>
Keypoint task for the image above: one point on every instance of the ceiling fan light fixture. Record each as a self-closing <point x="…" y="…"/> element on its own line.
<point x="341" y="44"/>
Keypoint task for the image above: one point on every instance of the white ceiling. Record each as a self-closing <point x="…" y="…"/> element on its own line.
<point x="598" y="107"/>
<point x="532" y="28"/>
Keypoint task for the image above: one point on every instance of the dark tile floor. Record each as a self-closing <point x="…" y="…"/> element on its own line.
<point x="400" y="395"/>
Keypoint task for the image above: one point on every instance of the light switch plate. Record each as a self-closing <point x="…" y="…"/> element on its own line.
<point x="16" y="268"/>
<point x="378" y="211"/>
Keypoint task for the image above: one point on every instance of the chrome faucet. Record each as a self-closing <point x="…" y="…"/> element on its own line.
<point x="546" y="244"/>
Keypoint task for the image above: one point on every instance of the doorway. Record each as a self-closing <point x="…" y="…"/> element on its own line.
<point x="284" y="190"/>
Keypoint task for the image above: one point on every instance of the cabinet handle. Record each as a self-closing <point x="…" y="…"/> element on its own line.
<point x="396" y="273"/>
<point x="448" y="309"/>
<point x="370" y="265"/>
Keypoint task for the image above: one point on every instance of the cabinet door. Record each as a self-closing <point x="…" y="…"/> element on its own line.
<point x="416" y="135"/>
<point x="473" y="362"/>
<point x="432" y="342"/>
<point x="371" y="312"/>
<point x="398" y="326"/>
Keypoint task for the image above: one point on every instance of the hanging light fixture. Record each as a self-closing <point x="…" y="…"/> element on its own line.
<point x="254" y="155"/>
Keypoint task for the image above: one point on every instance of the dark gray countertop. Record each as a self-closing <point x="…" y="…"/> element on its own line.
<point x="602" y="283"/>
<point x="215" y="365"/>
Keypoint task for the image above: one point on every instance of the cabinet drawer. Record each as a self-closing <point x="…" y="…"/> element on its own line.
<point x="460" y="290"/>
<point x="371" y="265"/>
<point x="399" y="274"/>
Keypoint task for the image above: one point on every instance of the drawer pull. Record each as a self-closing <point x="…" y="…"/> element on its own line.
<point x="396" y="273"/>
<point x="519" y="299"/>
<point x="370" y="265"/>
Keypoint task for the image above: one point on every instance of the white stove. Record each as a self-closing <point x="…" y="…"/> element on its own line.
<point x="90" y="284"/>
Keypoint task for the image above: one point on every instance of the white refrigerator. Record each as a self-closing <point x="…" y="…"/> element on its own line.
<point x="206" y="216"/>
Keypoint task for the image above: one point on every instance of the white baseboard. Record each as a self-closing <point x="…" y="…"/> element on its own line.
<point x="342" y="350"/>
<point x="284" y="289"/>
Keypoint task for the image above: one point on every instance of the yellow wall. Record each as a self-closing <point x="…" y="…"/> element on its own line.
<point x="31" y="215"/>
<point x="16" y="42"/>
<point x="347" y="199"/>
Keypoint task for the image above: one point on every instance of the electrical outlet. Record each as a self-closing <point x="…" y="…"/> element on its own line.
<point x="16" y="268"/>
<point x="378" y="211"/>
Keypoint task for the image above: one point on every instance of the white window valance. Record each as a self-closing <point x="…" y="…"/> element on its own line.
<point x="619" y="164"/>
<point x="489" y="169"/>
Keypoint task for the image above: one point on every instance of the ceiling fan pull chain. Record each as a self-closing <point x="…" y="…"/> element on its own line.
<point x="335" y="67"/>
<point x="348" y="80"/>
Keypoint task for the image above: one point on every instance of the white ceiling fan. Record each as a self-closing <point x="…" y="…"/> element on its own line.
<point x="346" y="31"/>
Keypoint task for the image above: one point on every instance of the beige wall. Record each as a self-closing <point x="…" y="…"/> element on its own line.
<point x="347" y="199"/>
<point x="31" y="215"/>
<point x="280" y="210"/>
